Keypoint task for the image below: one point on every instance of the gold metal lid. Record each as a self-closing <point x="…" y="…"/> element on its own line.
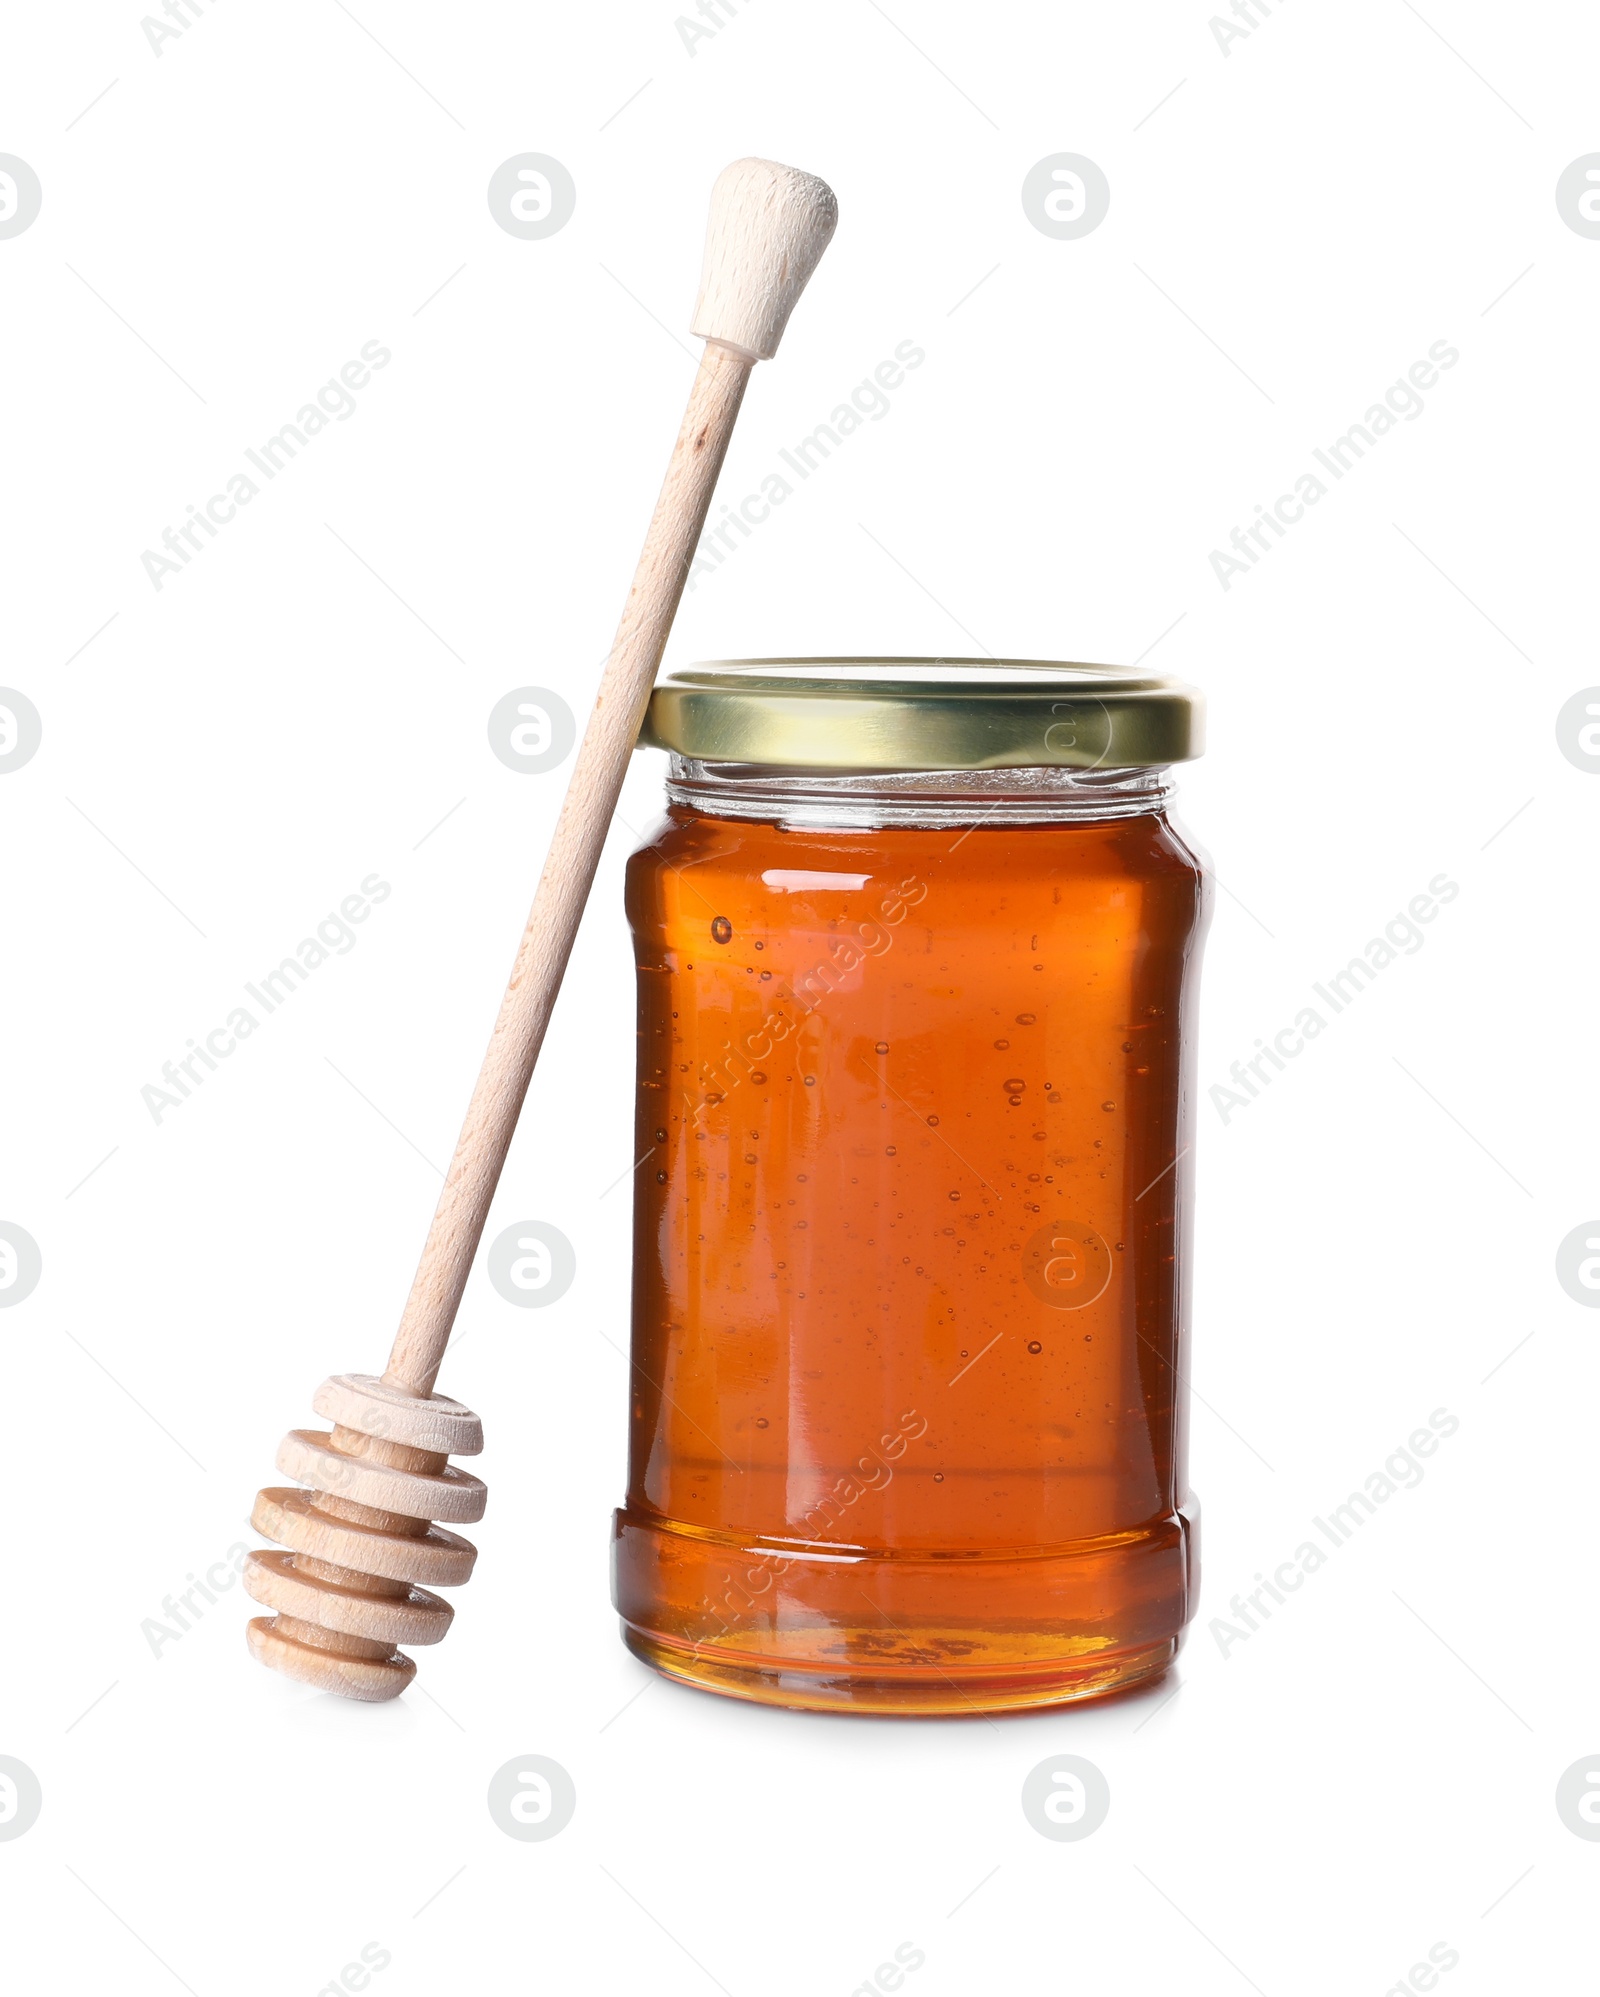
<point x="924" y="714"/>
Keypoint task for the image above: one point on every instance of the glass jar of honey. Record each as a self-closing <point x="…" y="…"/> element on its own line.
<point x="917" y="949"/>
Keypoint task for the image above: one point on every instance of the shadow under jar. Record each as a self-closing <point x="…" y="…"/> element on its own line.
<point x="917" y="950"/>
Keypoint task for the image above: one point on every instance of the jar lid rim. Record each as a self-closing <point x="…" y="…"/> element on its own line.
<point x="925" y="714"/>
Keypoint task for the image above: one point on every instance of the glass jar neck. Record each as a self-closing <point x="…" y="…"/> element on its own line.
<point x="862" y="799"/>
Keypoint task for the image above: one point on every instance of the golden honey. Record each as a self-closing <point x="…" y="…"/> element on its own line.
<point x="907" y="1427"/>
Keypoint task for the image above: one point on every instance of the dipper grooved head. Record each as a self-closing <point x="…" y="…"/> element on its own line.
<point x="361" y="1543"/>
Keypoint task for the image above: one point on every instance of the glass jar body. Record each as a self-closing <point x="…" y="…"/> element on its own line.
<point x="907" y="1424"/>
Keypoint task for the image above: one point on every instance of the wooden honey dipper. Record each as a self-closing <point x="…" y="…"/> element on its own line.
<point x="364" y="1552"/>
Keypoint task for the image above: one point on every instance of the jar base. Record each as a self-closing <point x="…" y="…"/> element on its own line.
<point x="907" y="1692"/>
<point x="810" y="1626"/>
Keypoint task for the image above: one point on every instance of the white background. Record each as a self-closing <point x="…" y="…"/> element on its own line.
<point x="1372" y="1772"/>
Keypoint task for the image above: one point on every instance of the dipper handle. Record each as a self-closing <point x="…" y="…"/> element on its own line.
<point x="769" y="225"/>
<point x="569" y="868"/>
